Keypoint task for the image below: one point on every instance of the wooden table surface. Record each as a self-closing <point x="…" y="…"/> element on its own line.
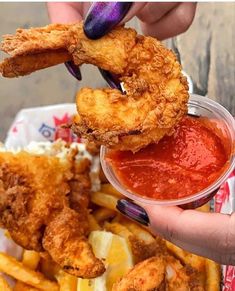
<point x="206" y="50"/>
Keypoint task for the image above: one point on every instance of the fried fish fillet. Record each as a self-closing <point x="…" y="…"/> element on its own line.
<point x="35" y="208"/>
<point x="156" y="92"/>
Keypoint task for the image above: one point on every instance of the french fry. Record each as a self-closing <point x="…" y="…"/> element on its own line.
<point x="49" y="268"/>
<point x="4" y="286"/>
<point x="117" y="218"/>
<point x="104" y="200"/>
<point x="102" y="214"/>
<point x="138" y="231"/>
<point x="20" y="286"/>
<point x="118" y="229"/>
<point x="204" y="208"/>
<point x="30" y="259"/>
<point x="17" y="270"/>
<point x="213" y="276"/>
<point x="108" y="188"/>
<point x="66" y="281"/>
<point x="93" y="224"/>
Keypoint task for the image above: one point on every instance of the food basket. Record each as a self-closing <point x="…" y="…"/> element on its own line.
<point x="43" y="124"/>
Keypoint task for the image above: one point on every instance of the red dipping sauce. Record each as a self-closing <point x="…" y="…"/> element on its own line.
<point x="178" y="166"/>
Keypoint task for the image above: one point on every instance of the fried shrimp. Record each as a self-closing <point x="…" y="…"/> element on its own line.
<point x="156" y="92"/>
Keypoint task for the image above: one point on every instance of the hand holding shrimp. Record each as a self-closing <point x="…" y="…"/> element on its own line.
<point x="156" y="91"/>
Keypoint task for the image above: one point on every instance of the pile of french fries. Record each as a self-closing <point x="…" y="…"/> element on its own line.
<point x="35" y="272"/>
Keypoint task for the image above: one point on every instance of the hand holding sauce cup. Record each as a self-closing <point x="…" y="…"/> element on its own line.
<point x="184" y="169"/>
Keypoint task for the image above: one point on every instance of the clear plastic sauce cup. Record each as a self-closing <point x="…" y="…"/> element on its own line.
<point x="225" y="124"/>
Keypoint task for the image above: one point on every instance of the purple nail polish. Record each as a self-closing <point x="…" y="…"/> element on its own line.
<point x="111" y="79"/>
<point x="103" y="16"/>
<point x="74" y="70"/>
<point x="133" y="211"/>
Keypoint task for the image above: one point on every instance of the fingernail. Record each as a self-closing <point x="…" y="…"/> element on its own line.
<point x="111" y="79"/>
<point x="133" y="211"/>
<point x="74" y="70"/>
<point x="103" y="16"/>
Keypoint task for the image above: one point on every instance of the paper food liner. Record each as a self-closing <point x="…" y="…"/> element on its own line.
<point x="44" y="124"/>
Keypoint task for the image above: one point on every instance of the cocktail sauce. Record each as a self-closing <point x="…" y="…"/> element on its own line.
<point x="180" y="165"/>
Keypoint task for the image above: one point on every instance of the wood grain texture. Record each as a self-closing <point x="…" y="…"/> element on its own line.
<point x="207" y="52"/>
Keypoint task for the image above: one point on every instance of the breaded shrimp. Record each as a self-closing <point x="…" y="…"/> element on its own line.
<point x="156" y="92"/>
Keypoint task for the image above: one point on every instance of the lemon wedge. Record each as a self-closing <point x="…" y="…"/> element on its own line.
<point x="116" y="254"/>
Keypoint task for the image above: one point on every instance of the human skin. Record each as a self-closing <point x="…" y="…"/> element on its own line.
<point x="161" y="20"/>
<point x="207" y="234"/>
<point x="211" y="235"/>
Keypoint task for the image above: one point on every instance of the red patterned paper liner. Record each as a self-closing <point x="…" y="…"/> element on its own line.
<point x="63" y="132"/>
<point x="226" y="191"/>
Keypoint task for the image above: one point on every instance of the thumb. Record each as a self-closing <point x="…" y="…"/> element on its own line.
<point x="104" y="16"/>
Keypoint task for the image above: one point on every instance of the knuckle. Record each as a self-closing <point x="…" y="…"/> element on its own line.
<point x="225" y="246"/>
<point x="171" y="233"/>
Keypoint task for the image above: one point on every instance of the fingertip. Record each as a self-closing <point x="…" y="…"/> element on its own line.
<point x="185" y="14"/>
<point x="133" y="11"/>
<point x="162" y="217"/>
<point x="103" y="16"/>
<point x="63" y="13"/>
<point x="74" y="70"/>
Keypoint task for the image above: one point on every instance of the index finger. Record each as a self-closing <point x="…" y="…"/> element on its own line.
<point x="206" y="234"/>
<point x="135" y="8"/>
<point x="64" y="12"/>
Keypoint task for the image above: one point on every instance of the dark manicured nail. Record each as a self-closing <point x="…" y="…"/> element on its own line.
<point x="103" y="16"/>
<point x="111" y="79"/>
<point x="74" y="70"/>
<point x="133" y="211"/>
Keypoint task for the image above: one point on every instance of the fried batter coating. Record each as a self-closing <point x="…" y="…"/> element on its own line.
<point x="35" y="208"/>
<point x="145" y="276"/>
<point x="25" y="65"/>
<point x="35" y="40"/>
<point x="158" y="273"/>
<point x="156" y="91"/>
<point x="155" y="101"/>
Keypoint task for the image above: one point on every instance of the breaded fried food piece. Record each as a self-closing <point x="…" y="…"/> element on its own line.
<point x="156" y="92"/>
<point x="176" y="275"/>
<point x="34" y="49"/>
<point x="196" y="262"/>
<point x="25" y="65"/>
<point x="157" y="273"/>
<point x="155" y="101"/>
<point x="145" y="276"/>
<point x="35" y="40"/>
<point x="71" y="38"/>
<point x="35" y="209"/>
